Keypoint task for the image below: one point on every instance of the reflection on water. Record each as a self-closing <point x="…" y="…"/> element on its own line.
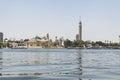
<point x="1" y="63"/>
<point x="80" y="64"/>
<point x="59" y="64"/>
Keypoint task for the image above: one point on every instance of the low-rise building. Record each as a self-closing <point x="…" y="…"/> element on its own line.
<point x="38" y="42"/>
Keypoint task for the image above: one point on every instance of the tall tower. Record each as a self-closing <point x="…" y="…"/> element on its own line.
<point x="80" y="30"/>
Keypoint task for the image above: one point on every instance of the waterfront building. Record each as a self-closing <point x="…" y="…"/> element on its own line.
<point x="77" y="37"/>
<point x="61" y="42"/>
<point x="17" y="44"/>
<point x="14" y="45"/>
<point x="119" y="39"/>
<point x="1" y="37"/>
<point x="38" y="42"/>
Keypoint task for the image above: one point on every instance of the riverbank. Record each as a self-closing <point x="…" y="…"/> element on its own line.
<point x="67" y="48"/>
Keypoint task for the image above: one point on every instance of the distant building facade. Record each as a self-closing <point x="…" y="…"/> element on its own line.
<point x="77" y="37"/>
<point x="1" y="37"/>
<point x="38" y="42"/>
<point x="119" y="39"/>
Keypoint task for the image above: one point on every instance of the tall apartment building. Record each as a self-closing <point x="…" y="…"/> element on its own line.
<point x="1" y="37"/>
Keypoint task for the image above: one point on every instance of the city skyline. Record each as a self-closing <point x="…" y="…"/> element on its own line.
<point x="28" y="18"/>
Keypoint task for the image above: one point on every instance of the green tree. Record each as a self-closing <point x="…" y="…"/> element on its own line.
<point x="67" y="43"/>
<point x="1" y="44"/>
<point x="6" y="44"/>
<point x="78" y="43"/>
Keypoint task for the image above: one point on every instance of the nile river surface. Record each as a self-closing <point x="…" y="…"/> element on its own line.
<point x="59" y="64"/>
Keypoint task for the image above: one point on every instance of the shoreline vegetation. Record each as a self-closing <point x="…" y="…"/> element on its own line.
<point x="66" y="44"/>
<point x="59" y="43"/>
<point x="66" y="48"/>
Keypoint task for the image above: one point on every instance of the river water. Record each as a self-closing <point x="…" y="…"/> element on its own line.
<point x="59" y="64"/>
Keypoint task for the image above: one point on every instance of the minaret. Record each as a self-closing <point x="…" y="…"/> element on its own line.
<point x="80" y="30"/>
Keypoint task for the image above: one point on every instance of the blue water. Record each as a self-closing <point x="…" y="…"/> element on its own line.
<point x="59" y="64"/>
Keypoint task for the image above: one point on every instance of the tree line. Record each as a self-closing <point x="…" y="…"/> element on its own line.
<point x="78" y="43"/>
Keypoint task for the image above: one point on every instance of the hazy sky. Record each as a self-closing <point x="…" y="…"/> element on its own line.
<point x="28" y="18"/>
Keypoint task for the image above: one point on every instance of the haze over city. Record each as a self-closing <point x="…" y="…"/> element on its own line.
<point x="28" y="18"/>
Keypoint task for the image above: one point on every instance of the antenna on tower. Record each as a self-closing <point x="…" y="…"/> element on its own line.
<point x="80" y="20"/>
